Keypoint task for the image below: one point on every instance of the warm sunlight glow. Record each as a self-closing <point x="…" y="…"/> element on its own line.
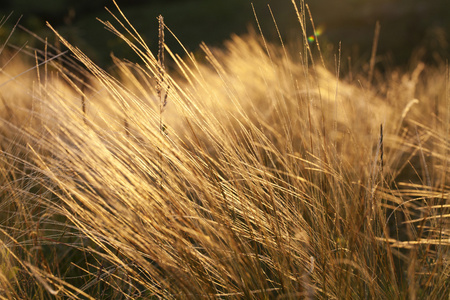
<point x="265" y="167"/>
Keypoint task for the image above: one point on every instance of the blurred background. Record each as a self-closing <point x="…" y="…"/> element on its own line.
<point x="411" y="30"/>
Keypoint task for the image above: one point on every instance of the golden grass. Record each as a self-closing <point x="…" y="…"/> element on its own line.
<point x="265" y="181"/>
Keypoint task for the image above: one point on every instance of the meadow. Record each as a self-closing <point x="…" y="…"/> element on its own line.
<point x="255" y="170"/>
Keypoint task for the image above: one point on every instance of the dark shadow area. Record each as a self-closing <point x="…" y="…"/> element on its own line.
<point x="411" y="30"/>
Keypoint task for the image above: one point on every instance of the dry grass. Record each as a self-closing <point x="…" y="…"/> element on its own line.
<point x="265" y="180"/>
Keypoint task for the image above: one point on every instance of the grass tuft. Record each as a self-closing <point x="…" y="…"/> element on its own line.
<point x="269" y="176"/>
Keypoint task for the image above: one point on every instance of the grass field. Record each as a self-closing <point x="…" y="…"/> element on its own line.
<point x="251" y="171"/>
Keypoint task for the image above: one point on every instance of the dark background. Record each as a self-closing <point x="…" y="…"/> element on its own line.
<point x="411" y="30"/>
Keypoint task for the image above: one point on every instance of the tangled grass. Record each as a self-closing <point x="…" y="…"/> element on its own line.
<point x="252" y="173"/>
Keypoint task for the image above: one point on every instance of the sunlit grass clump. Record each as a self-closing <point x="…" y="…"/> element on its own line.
<point x="251" y="171"/>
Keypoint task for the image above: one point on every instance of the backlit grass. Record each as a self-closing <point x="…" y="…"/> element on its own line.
<point x="268" y="174"/>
